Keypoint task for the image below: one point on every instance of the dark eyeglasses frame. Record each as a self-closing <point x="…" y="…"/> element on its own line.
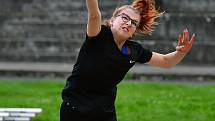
<point x="126" y="18"/>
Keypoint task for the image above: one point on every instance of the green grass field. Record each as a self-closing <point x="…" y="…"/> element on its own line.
<point x="135" y="101"/>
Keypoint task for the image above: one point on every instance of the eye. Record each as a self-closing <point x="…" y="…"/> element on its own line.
<point x="134" y="23"/>
<point x="125" y="18"/>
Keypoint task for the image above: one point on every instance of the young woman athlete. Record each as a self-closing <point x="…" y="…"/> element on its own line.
<point x="106" y="56"/>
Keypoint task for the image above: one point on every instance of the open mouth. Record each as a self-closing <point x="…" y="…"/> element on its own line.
<point x="125" y="29"/>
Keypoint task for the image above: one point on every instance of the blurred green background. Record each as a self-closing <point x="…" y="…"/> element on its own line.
<point x="135" y="101"/>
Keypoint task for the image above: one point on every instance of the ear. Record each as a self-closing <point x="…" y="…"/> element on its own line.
<point x="111" y="21"/>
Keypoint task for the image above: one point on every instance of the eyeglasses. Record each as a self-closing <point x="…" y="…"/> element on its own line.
<point x="126" y="18"/>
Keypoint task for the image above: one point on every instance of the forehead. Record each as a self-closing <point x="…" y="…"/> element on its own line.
<point x="131" y="13"/>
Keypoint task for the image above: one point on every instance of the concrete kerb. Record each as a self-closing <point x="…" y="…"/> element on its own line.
<point x="137" y="71"/>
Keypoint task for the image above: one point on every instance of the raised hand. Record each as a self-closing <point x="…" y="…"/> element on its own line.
<point x="184" y="42"/>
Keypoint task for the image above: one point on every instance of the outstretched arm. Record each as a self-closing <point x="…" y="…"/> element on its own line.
<point x="94" y="18"/>
<point x="171" y="59"/>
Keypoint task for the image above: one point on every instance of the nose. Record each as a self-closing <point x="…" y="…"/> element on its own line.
<point x="128" y="23"/>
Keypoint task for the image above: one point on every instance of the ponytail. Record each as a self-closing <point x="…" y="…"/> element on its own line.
<point x="148" y="14"/>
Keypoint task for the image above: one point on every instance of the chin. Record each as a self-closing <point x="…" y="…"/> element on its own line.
<point x="126" y="37"/>
<point x="124" y="34"/>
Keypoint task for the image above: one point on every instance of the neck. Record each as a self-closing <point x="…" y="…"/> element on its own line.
<point x="118" y="40"/>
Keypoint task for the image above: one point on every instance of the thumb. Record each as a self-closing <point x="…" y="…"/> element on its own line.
<point x="178" y="48"/>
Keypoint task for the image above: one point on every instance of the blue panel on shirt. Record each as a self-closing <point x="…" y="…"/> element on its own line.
<point x="125" y="50"/>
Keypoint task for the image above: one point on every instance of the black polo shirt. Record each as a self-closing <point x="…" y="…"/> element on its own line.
<point x="100" y="66"/>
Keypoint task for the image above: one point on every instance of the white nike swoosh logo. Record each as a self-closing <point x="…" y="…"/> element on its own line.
<point x="131" y="61"/>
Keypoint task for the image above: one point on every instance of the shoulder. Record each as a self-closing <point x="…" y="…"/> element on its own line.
<point x="138" y="52"/>
<point x="134" y="45"/>
<point x="105" y="30"/>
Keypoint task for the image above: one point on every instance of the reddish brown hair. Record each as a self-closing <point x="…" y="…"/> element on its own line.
<point x="148" y="14"/>
<point x="147" y="11"/>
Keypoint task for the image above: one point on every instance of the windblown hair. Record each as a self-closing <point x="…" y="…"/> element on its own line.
<point x="147" y="11"/>
<point x="148" y="14"/>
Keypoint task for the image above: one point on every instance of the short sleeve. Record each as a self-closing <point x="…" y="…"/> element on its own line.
<point x="138" y="53"/>
<point x="145" y="56"/>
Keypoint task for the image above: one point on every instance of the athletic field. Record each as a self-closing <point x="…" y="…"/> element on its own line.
<point x="135" y="101"/>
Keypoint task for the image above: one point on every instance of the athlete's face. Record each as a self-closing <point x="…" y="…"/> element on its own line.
<point x="125" y="23"/>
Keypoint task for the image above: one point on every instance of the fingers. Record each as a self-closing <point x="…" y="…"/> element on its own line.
<point x="192" y="39"/>
<point x="180" y="40"/>
<point x="186" y="36"/>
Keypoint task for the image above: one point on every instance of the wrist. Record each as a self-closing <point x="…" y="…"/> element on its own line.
<point x="181" y="53"/>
